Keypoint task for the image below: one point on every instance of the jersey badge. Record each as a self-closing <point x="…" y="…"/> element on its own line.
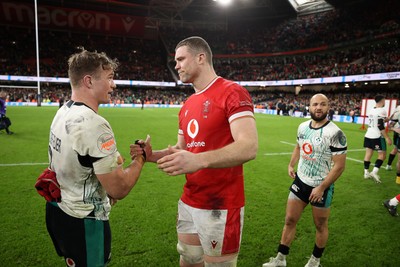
<point x="206" y="108"/>
<point x="106" y="143"/>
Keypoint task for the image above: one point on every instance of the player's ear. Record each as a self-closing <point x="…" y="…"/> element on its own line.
<point x="87" y="81"/>
<point x="201" y="58"/>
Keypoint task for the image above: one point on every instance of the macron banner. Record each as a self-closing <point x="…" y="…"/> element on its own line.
<point x="20" y="14"/>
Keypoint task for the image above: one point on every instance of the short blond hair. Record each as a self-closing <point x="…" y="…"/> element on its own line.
<point x="88" y="63"/>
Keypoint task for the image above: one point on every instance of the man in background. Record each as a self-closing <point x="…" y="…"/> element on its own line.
<point x="321" y="156"/>
<point x="375" y="138"/>
<point x="5" y="122"/>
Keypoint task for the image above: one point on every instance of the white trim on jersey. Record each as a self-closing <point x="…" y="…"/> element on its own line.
<point x="241" y="114"/>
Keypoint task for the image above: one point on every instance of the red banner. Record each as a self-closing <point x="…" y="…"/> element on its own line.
<point x="71" y="19"/>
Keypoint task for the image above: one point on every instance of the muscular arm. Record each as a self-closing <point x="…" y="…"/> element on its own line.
<point x="293" y="161"/>
<point x="333" y="175"/>
<point x="243" y="149"/>
<point x="120" y="181"/>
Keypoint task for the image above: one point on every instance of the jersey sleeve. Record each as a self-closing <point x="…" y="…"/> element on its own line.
<point x="238" y="103"/>
<point x="97" y="142"/>
<point x="338" y="143"/>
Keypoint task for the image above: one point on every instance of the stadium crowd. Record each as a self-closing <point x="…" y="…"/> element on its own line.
<point x="280" y="51"/>
<point x="369" y="46"/>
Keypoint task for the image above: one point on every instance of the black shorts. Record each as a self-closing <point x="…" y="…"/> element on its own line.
<point x="83" y="242"/>
<point x="303" y="191"/>
<point x="396" y="140"/>
<point x="378" y="144"/>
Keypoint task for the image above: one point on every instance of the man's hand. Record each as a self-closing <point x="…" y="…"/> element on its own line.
<point x="179" y="162"/>
<point x="291" y="172"/>
<point x="141" y="148"/>
<point x="316" y="195"/>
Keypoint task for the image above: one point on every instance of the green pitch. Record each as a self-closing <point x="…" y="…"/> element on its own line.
<point x="362" y="233"/>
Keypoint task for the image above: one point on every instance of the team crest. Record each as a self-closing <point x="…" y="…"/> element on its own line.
<point x="317" y="140"/>
<point x="206" y="108"/>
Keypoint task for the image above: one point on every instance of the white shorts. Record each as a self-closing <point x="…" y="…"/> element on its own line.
<point x="220" y="231"/>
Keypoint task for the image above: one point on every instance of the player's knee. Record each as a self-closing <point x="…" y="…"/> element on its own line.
<point x="232" y="262"/>
<point x="290" y="221"/>
<point x="190" y="254"/>
<point x="321" y="225"/>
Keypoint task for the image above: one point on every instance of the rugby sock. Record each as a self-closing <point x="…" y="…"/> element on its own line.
<point x="394" y="201"/>
<point x="378" y="163"/>
<point x="317" y="252"/>
<point x="366" y="165"/>
<point x="391" y="158"/>
<point x="283" y="249"/>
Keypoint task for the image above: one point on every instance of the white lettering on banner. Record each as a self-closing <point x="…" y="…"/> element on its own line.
<point x="58" y="17"/>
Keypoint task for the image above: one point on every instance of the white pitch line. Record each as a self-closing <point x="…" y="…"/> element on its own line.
<point x="356" y="160"/>
<point x="287" y="143"/>
<point x="22" y="164"/>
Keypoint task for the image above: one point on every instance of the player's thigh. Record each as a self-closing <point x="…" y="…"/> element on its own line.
<point x="222" y="259"/>
<point x="220" y="231"/>
<point x="190" y="239"/>
<point x="321" y="216"/>
<point x="294" y="208"/>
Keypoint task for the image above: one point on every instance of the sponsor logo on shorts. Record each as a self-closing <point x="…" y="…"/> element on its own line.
<point x="295" y="188"/>
<point x="214" y="243"/>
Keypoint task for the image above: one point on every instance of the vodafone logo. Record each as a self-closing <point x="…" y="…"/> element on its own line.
<point x="307" y="148"/>
<point x="193" y="128"/>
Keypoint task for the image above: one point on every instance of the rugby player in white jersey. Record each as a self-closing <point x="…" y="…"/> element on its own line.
<point x="375" y="138"/>
<point x="83" y="154"/>
<point x="321" y="155"/>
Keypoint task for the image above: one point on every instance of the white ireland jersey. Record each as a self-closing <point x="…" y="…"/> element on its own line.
<point x="375" y="117"/>
<point x="81" y="144"/>
<point x="317" y="146"/>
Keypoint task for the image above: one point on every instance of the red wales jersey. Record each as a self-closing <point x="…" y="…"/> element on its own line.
<point x="204" y="121"/>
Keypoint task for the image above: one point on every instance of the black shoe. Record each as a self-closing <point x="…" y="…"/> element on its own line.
<point x="10" y="133"/>
<point x="391" y="209"/>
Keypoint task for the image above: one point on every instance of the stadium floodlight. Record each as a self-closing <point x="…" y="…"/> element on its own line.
<point x="223" y="2"/>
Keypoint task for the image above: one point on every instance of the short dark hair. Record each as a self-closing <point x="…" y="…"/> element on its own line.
<point x="86" y="62"/>
<point x="378" y="98"/>
<point x="196" y="45"/>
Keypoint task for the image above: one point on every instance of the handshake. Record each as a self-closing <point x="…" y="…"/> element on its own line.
<point x="141" y="150"/>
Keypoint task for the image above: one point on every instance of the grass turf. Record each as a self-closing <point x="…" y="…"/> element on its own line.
<point x="362" y="233"/>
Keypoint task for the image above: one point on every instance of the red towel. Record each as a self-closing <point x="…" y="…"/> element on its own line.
<point x="48" y="187"/>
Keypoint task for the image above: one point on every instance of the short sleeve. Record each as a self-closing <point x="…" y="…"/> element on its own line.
<point x="338" y="143"/>
<point x="238" y="103"/>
